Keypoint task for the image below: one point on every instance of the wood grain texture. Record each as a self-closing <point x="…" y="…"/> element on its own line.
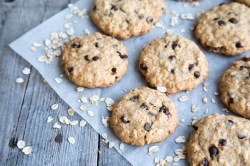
<point x="25" y="107"/>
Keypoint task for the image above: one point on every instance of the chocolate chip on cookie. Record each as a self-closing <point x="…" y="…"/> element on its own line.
<point x="143" y="116"/>
<point x="90" y="66"/>
<point x="125" y="19"/>
<point x="172" y="68"/>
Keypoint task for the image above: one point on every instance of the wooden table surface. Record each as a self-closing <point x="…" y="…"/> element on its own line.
<point x="25" y="107"/>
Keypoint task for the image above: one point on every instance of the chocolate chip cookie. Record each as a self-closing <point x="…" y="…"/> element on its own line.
<point x="143" y="116"/>
<point x="247" y="2"/>
<point x="173" y="62"/>
<point x="94" y="60"/>
<point x="220" y="140"/>
<point x="235" y="87"/>
<point x="225" y="29"/>
<point x="126" y="18"/>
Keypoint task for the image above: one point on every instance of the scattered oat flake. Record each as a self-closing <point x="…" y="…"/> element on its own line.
<point x="205" y="88"/>
<point x="54" y="106"/>
<point x="71" y="140"/>
<point x="91" y="113"/>
<point x="180" y="139"/>
<point x="71" y="112"/>
<point x="111" y="144"/>
<point x="27" y="150"/>
<point x="162" y="89"/>
<point x="104" y="136"/>
<point x="109" y="108"/>
<point x="194" y="121"/>
<point x="64" y="120"/>
<point x="122" y="146"/>
<point x="49" y="119"/>
<point x="86" y="31"/>
<point x="105" y="121"/>
<point x="169" y="159"/>
<point x="58" y="80"/>
<point x="57" y="126"/>
<point x="212" y="100"/>
<point x="26" y="71"/>
<point x="84" y="99"/>
<point x="80" y="89"/>
<point x="109" y="101"/>
<point x="206" y="111"/>
<point x="36" y="44"/>
<point x="19" y="80"/>
<point x="153" y="149"/>
<point x="21" y="144"/>
<point x="33" y="49"/>
<point x="68" y="16"/>
<point x="195" y="108"/>
<point x="216" y="93"/>
<point x="187" y="16"/>
<point x="183" y="98"/>
<point x="204" y="100"/>
<point x="83" y="108"/>
<point x="82" y="123"/>
<point x="94" y="99"/>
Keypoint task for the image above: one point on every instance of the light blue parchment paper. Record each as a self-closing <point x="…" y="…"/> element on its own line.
<point x="66" y="90"/>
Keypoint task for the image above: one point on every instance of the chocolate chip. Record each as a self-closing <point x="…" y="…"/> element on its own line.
<point x="134" y="98"/>
<point x="230" y="100"/>
<point x="190" y="67"/>
<point x="95" y="58"/>
<point x="165" y="110"/>
<point x="171" y="57"/>
<point x="124" y="119"/>
<point x="205" y="162"/>
<point x="213" y="150"/>
<point x="174" y="45"/>
<point x="122" y="56"/>
<point x="58" y="138"/>
<point x="223" y="142"/>
<point x="143" y="66"/>
<point x="221" y="23"/>
<point x="96" y="45"/>
<point x="195" y="127"/>
<point x="144" y="106"/>
<point x="233" y="20"/>
<point x="172" y="71"/>
<point x="113" y="70"/>
<point x="113" y="7"/>
<point x="150" y="20"/>
<point x="241" y="136"/>
<point x="76" y="45"/>
<point x="230" y="121"/>
<point x="246" y="59"/>
<point x="12" y="142"/>
<point x="141" y="16"/>
<point x="94" y="8"/>
<point x="215" y="19"/>
<point x="86" y="57"/>
<point x="238" y="45"/>
<point x="70" y="69"/>
<point x="197" y="74"/>
<point x="244" y="67"/>
<point x="147" y="126"/>
<point x="127" y="21"/>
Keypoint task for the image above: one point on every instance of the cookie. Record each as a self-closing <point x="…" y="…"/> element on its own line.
<point x="235" y="87"/>
<point x="95" y="60"/>
<point x="143" y="116"/>
<point x="126" y="18"/>
<point x="220" y="140"/>
<point x="225" y="29"/>
<point x="173" y="62"/>
<point x="247" y="2"/>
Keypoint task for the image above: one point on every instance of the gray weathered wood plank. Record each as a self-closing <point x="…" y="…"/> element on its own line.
<point x="25" y="107"/>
